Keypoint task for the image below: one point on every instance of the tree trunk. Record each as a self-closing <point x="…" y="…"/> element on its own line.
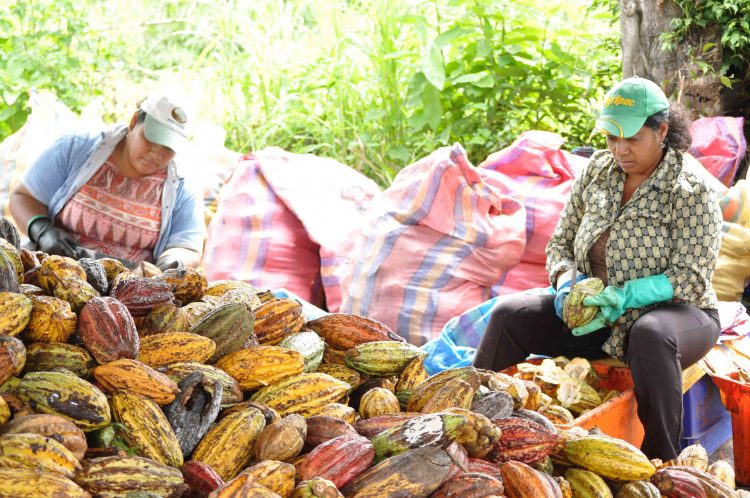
<point x="642" y="23"/>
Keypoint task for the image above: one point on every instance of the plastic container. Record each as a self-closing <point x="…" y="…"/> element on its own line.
<point x="617" y="417"/>
<point x="736" y="397"/>
<point x="705" y="420"/>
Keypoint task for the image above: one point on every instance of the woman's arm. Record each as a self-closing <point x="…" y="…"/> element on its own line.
<point x="24" y="206"/>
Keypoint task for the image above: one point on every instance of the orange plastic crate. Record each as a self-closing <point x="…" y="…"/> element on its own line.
<point x="736" y="398"/>
<point x="617" y="417"/>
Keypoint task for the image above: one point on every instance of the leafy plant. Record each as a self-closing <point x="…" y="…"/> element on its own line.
<point x="375" y="84"/>
<point x="733" y="18"/>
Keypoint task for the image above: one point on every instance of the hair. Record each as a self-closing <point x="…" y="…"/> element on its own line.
<point x="141" y="117"/>
<point x="678" y="120"/>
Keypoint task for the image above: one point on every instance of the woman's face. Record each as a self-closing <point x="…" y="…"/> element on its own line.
<point x="146" y="158"/>
<point x="640" y="154"/>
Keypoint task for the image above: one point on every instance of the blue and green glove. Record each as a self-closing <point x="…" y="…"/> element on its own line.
<point x="613" y="301"/>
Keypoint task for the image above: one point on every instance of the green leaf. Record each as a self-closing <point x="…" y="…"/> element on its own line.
<point x="432" y="67"/>
<point x="708" y="46"/>
<point x="10" y="96"/>
<point x="433" y="110"/>
<point x="726" y="81"/>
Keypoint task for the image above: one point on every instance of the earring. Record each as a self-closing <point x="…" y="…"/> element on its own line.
<point x="663" y="145"/>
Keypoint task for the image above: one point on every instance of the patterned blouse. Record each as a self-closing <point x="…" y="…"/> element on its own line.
<point x="671" y="225"/>
<point x="116" y="215"/>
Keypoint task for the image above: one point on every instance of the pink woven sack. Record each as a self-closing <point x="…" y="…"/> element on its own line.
<point x="432" y="245"/>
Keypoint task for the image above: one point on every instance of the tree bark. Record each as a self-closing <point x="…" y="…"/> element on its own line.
<point x="642" y="22"/>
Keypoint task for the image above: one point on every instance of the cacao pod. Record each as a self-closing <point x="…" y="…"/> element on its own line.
<point x="17" y="482"/>
<point x="107" y="330"/>
<point x="230" y="326"/>
<point x="15" y="312"/>
<point x="282" y="440"/>
<point x="260" y="366"/>
<point x="522" y="440"/>
<point x="188" y="284"/>
<point x="277" y="319"/>
<point x="58" y="428"/>
<point x="116" y="476"/>
<point x="51" y="320"/>
<point x="140" y="295"/>
<point x="305" y="393"/>
<point x="137" y="378"/>
<point x="68" y="396"/>
<point x="322" y="428"/>
<point x="46" y="356"/>
<point x="231" y="392"/>
<point x="173" y="347"/>
<point x="575" y="313"/>
<point x="344" y="331"/>
<point x="339" y="460"/>
<point x="228" y="446"/>
<point x="145" y="428"/>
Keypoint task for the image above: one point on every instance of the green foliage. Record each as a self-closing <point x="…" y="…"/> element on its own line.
<point x="733" y="18"/>
<point x="375" y="84"/>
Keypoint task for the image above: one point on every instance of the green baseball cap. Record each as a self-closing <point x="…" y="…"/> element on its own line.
<point x="628" y="105"/>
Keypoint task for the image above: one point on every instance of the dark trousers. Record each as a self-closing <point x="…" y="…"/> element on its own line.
<point x="661" y="343"/>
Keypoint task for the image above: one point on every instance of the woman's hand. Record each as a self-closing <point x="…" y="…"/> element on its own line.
<point x="51" y="239"/>
<point x="563" y="289"/>
<point x="613" y="301"/>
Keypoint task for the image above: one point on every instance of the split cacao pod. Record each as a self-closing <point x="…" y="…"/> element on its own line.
<point x="316" y="488"/>
<point x="231" y="392"/>
<point x="575" y="313"/>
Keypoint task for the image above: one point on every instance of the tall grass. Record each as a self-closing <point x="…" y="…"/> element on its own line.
<point x="375" y="84"/>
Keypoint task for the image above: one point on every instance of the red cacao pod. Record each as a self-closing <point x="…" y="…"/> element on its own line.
<point x="522" y="440"/>
<point x="338" y="460"/>
<point x="107" y="330"/>
<point x="140" y="295"/>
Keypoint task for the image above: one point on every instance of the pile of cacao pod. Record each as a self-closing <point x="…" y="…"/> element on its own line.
<point x="115" y="384"/>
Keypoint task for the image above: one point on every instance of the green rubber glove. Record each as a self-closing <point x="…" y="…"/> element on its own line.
<point x="613" y="301"/>
<point x="599" y="322"/>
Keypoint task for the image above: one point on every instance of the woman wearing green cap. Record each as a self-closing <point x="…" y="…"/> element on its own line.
<point x="116" y="193"/>
<point x="642" y="220"/>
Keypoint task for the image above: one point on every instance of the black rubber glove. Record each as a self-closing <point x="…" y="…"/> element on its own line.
<point x="168" y="262"/>
<point x="52" y="240"/>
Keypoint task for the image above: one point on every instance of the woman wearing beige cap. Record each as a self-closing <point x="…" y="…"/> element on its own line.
<point x="116" y="193"/>
<point x="641" y="220"/>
